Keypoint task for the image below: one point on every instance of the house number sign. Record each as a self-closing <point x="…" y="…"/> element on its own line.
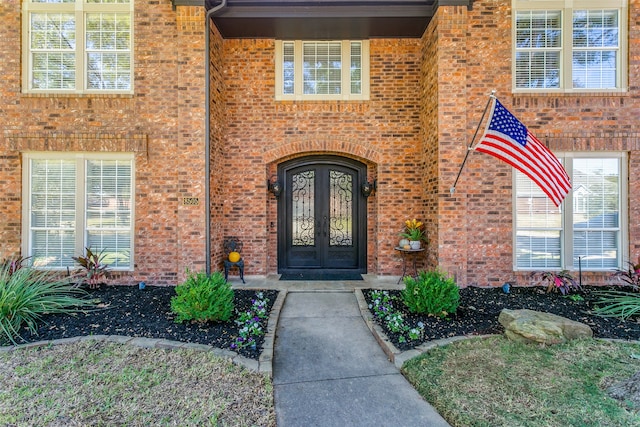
<point x="190" y="201"/>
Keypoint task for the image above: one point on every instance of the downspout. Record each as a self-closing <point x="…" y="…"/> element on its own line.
<point x="207" y="135"/>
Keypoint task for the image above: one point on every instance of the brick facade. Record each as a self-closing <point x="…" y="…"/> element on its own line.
<point x="163" y="124"/>
<point x="426" y="98"/>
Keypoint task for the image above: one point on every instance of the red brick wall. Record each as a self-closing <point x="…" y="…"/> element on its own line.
<point x="162" y="123"/>
<point x="427" y="96"/>
<point x="260" y="132"/>
<point x="476" y="224"/>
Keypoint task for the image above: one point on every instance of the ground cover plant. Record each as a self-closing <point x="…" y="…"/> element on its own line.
<point x="479" y="308"/>
<point x="495" y="382"/>
<point x="100" y="383"/>
<point x="134" y="312"/>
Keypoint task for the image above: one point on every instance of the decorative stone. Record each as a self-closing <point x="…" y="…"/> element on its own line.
<point x="531" y="326"/>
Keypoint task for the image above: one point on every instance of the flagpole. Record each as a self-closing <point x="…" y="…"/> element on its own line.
<point x="484" y="113"/>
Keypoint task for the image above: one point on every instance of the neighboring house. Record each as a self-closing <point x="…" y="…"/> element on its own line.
<point x="115" y="135"/>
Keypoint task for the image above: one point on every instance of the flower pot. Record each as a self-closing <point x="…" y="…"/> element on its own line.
<point x="415" y="244"/>
<point x="403" y="243"/>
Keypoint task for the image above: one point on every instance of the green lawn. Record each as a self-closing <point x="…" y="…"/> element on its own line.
<point x="495" y="382"/>
<point x="98" y="383"/>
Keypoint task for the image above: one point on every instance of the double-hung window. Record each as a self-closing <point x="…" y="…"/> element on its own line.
<point x="78" y="46"/>
<point x="569" y="45"/>
<point x="78" y="201"/>
<point x="587" y="231"/>
<point x="322" y="70"/>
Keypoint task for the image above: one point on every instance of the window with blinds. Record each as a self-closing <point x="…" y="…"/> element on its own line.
<point x="52" y="212"/>
<point x="596" y="220"/>
<point x="77" y="46"/>
<point x="322" y="70"/>
<point x="77" y="202"/>
<point x="586" y="231"/>
<point x="568" y="45"/>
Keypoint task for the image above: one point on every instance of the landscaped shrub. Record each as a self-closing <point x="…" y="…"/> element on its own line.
<point x="203" y="298"/>
<point x="620" y="304"/>
<point x="562" y="281"/>
<point x="630" y="275"/>
<point x="431" y="293"/>
<point x="95" y="269"/>
<point x="15" y="264"/>
<point x="26" y="294"/>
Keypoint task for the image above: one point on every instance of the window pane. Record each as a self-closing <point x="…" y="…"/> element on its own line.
<point x="108" y="41"/>
<point x="53" y="31"/>
<point x="340" y="209"/>
<point x="52" y="41"/>
<point x="356" y="67"/>
<point x="303" y="229"/>
<point x="595" y="28"/>
<point x="594" y="69"/>
<point x="108" y="210"/>
<point x="322" y="68"/>
<point x="53" y="59"/>
<point x="52" y="248"/>
<point x="288" y="74"/>
<point x="595" y="55"/>
<point x="539" y="29"/>
<point x="52" y="220"/>
<point x="538" y="224"/>
<point x="596" y="206"/>
<point x="53" y="1"/>
<point x="537" y="70"/>
<point x="107" y="1"/>
<point x="538" y="249"/>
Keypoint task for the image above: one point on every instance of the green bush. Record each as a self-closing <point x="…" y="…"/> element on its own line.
<point x="431" y="293"/>
<point x="203" y="298"/>
<point x="26" y="294"/>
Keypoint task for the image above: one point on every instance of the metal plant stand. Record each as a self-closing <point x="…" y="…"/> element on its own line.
<point x="409" y="256"/>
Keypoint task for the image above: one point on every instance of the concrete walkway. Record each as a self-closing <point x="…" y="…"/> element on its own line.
<point x="328" y="370"/>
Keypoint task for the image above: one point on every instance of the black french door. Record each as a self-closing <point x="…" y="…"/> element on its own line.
<point x="322" y="216"/>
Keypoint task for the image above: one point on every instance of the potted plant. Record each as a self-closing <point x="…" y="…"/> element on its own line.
<point x="414" y="232"/>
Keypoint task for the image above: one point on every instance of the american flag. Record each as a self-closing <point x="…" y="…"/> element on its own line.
<point x="510" y="141"/>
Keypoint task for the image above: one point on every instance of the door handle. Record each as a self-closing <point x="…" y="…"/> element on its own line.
<point x="324" y="225"/>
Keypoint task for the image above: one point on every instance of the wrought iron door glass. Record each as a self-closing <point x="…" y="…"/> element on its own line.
<point x="340" y="209"/>
<point x="303" y="208"/>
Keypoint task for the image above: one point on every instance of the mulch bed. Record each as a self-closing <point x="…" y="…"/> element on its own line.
<point x="127" y="310"/>
<point x="479" y="309"/>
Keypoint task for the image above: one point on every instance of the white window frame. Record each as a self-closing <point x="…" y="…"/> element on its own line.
<point x="299" y="94"/>
<point x="566" y="8"/>
<point x="567" y="259"/>
<point x="79" y="8"/>
<point x="81" y="229"/>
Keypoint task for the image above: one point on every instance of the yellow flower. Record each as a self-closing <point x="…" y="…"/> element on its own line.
<point x="413" y="224"/>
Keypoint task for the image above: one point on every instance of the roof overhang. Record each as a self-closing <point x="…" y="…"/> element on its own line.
<point x="323" y="20"/>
